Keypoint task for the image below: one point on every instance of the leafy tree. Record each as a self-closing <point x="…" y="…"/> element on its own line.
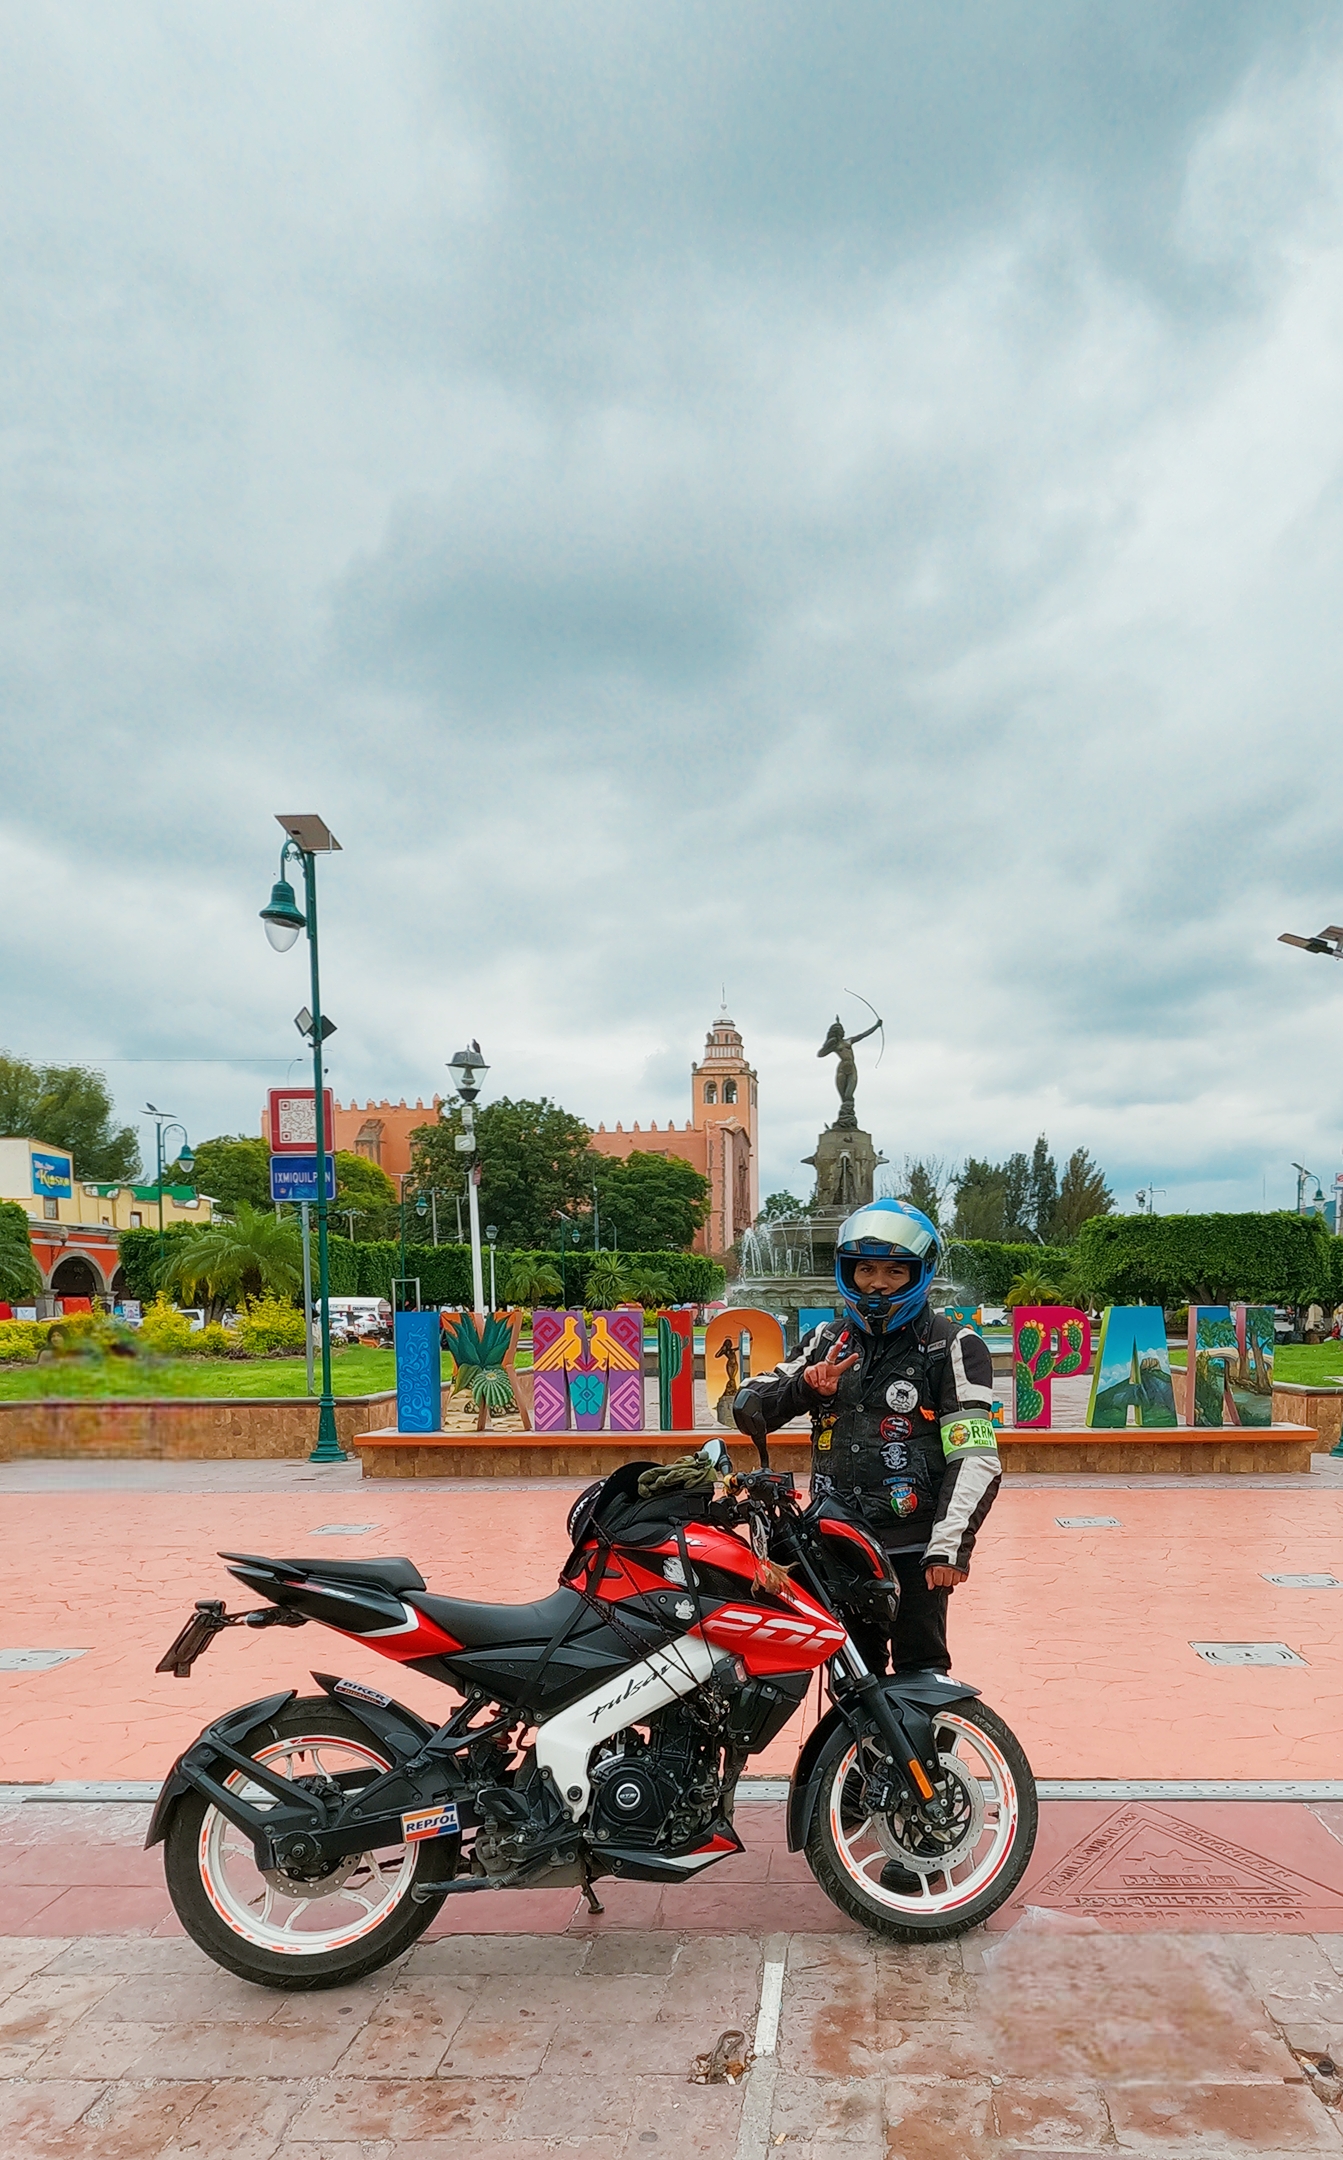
<point x="534" y="1164"/>
<point x="1083" y="1193"/>
<point x="1044" y="1190"/>
<point x="234" y="1170"/>
<point x="926" y="1185"/>
<point x="650" y="1203"/>
<point x="20" y="1276"/>
<point x="68" y="1106"/>
<point x="255" y="1253"/>
<point x="981" y="1211"/>
<point x="366" y="1186"/>
<point x="1018" y="1212"/>
<point x="782" y="1207"/>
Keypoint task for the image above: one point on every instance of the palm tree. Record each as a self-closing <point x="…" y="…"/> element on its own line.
<point x="20" y="1276"/>
<point x="255" y="1253"/>
<point x="649" y="1289"/>
<point x="531" y="1281"/>
<point x="608" y="1282"/>
<point x="1032" y="1289"/>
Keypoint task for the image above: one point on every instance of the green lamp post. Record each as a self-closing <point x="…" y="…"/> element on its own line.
<point x="164" y="1122"/>
<point x="306" y="838"/>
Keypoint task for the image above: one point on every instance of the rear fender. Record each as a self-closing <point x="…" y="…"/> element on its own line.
<point x="195" y="1762"/>
<point x="912" y="1694"/>
<point x="401" y="1731"/>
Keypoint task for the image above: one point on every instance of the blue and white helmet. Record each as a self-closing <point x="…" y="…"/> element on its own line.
<point x="886" y="1230"/>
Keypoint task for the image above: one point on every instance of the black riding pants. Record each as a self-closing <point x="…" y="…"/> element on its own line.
<point x="919" y="1637"/>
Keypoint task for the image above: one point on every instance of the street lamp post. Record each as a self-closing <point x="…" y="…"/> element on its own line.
<point x="492" y="1232"/>
<point x="164" y="1122"/>
<point x="402" y="1175"/>
<point x="596" y="1223"/>
<point x="306" y="838"/>
<point x="468" y="1069"/>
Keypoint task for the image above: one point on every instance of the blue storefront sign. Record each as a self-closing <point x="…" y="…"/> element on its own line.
<point x="52" y="1176"/>
<point x="294" y="1177"/>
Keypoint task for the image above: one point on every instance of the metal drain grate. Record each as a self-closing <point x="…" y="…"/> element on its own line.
<point x="1247" y="1653"/>
<point x="343" y="1529"/>
<point x="1303" y="1582"/>
<point x="35" y="1660"/>
<point x="1088" y="1522"/>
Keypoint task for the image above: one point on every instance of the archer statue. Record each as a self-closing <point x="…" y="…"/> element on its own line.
<point x="841" y="1046"/>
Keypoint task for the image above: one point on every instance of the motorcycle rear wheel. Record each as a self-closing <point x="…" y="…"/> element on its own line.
<point x="324" y="1937"/>
<point x="848" y="1847"/>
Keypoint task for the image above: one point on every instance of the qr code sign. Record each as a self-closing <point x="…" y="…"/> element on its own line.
<point x="297" y="1121"/>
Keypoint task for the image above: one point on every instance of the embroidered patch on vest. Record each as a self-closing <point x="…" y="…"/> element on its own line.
<point x="961" y="1434"/>
<point x="902" y="1395"/>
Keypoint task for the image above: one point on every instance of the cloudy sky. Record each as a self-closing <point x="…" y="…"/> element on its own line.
<point x="817" y="499"/>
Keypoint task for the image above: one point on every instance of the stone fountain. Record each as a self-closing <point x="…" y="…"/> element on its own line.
<point x="788" y="1268"/>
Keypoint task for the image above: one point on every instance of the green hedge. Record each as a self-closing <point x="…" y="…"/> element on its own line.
<point x="1277" y="1259"/>
<point x="445" y="1271"/>
<point x="367" y="1269"/>
<point x="989" y="1268"/>
<point x="139" y="1253"/>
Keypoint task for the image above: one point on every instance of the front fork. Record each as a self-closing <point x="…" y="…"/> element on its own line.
<point x="908" y="1733"/>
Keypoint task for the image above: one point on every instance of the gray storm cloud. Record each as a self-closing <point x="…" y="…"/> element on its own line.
<point x="691" y="495"/>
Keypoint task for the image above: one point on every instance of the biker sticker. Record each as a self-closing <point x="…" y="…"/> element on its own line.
<point x="427" y="1822"/>
<point x="357" y="1689"/>
<point x="904" y="1499"/>
<point x="902" y="1395"/>
<point x="895" y="1454"/>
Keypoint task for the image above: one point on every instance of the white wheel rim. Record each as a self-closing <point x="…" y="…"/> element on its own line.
<point x="862" y="1856"/>
<point x="259" y="1913"/>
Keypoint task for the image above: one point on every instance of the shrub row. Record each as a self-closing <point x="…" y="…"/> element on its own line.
<point x="1277" y="1259"/>
<point x="444" y="1271"/>
<point x="988" y="1268"/>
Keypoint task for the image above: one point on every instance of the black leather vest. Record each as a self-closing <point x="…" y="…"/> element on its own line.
<point x="879" y="1440"/>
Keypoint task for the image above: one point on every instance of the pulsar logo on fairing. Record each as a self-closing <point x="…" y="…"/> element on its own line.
<point x="636" y="1687"/>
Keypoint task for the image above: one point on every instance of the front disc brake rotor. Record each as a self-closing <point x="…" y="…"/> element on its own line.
<point x="924" y="1847"/>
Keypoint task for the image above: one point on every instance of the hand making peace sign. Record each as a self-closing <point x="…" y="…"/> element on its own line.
<point x="825" y="1378"/>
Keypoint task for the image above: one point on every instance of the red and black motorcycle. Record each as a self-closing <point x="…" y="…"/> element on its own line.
<point x="601" y="1732"/>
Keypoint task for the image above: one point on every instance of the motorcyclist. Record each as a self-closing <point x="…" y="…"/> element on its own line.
<point x="900" y="1401"/>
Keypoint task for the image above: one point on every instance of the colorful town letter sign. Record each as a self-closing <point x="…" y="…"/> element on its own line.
<point x="1049" y="1342"/>
<point x="1132" y="1370"/>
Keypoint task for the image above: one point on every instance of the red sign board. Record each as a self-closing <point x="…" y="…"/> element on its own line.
<point x="293" y="1121"/>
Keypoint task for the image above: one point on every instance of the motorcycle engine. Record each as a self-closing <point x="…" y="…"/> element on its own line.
<point x="656" y="1791"/>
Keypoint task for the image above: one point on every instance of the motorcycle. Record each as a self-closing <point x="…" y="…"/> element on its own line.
<point x="600" y="1732"/>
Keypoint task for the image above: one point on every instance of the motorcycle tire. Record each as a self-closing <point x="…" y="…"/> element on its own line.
<point x="247" y="1923"/>
<point x="848" y="1849"/>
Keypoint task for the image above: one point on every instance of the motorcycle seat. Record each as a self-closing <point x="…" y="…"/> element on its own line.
<point x="396" y="1574"/>
<point x="481" y="1627"/>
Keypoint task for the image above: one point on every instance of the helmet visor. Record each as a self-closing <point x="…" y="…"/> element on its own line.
<point x="880" y="1233"/>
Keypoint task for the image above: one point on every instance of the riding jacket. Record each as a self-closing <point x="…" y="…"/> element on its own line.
<point x="907" y="1438"/>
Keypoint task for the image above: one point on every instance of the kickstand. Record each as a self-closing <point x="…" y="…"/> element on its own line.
<point x="595" y="1904"/>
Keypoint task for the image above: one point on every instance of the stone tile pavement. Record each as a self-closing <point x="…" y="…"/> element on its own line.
<point x="118" y="2048"/>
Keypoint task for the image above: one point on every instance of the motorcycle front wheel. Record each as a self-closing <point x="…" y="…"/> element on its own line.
<point x="945" y="1884"/>
<point x="282" y="1934"/>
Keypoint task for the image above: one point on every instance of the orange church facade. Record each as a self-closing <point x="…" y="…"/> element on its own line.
<point x="720" y="1140"/>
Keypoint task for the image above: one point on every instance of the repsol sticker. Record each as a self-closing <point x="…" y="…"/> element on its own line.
<point x="427" y="1822"/>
